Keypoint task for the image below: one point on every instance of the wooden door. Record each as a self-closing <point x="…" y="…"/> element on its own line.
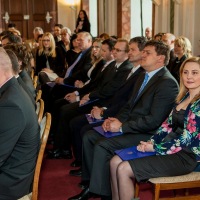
<point x="27" y="14"/>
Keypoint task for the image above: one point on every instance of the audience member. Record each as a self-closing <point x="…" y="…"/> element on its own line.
<point x="73" y="51"/>
<point x="82" y="23"/>
<point x="151" y="102"/>
<point x="176" y="142"/>
<point x="158" y="36"/>
<point x="33" y="43"/>
<point x="16" y="70"/>
<point x="182" y="50"/>
<point x="24" y="56"/>
<point x="64" y="43"/>
<point x="10" y="38"/>
<point x="50" y="62"/>
<point x="19" y="133"/>
<point x="148" y="33"/>
<point x="57" y="32"/>
<point x="104" y="36"/>
<point x="168" y="39"/>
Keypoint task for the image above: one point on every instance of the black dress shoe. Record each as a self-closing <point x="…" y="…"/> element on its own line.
<point x="84" y="195"/>
<point x="76" y="163"/>
<point x="77" y="172"/>
<point x="59" y="154"/>
<point x="84" y="184"/>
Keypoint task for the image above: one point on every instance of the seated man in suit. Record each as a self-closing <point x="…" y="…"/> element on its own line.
<point x="113" y="78"/>
<point x="111" y="107"/>
<point x="16" y="69"/>
<point x="77" y="71"/>
<point x="151" y="102"/>
<point x="19" y="133"/>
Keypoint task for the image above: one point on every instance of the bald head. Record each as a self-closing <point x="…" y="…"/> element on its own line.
<point x="5" y="67"/>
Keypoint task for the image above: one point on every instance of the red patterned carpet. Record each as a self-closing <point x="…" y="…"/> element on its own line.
<point x="57" y="184"/>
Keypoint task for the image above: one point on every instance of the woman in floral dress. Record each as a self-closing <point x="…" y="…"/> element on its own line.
<point x="177" y="142"/>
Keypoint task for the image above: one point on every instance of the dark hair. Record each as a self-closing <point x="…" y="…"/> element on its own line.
<point x="73" y="37"/>
<point x="12" y="38"/>
<point x="160" y="48"/>
<point x="141" y="41"/>
<point x="3" y="33"/>
<point x="111" y="43"/>
<point x="104" y="36"/>
<point x="22" y="53"/>
<point x="11" y="25"/>
<point x="14" y="61"/>
<point x="39" y="36"/>
<point x="59" y="25"/>
<point x="85" y="17"/>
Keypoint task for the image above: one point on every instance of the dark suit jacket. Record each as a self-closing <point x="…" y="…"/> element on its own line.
<point x="21" y="82"/>
<point x="122" y="96"/>
<point x="19" y="143"/>
<point x="79" y="72"/>
<point x="115" y="79"/>
<point x="146" y="113"/>
<point x="96" y="78"/>
<point x="28" y="82"/>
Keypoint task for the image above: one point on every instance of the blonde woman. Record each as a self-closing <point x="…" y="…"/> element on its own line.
<point x="50" y="62"/>
<point x="182" y="50"/>
<point x="176" y="143"/>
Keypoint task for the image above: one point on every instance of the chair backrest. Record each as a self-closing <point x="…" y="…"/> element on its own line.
<point x="44" y="133"/>
<point x="39" y="95"/>
<point x="32" y="74"/>
<point x="39" y="109"/>
<point x="35" y="79"/>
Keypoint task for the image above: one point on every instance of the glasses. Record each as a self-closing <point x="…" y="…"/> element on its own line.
<point x="118" y="50"/>
<point x="45" y="40"/>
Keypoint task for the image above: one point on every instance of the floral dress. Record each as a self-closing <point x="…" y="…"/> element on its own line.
<point x="177" y="146"/>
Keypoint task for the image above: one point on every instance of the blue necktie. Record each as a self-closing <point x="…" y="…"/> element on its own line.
<point x="69" y="70"/>
<point x="143" y="84"/>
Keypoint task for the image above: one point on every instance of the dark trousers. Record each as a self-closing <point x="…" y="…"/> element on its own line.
<point x="66" y="113"/>
<point x="97" y="153"/>
<point x="79" y="126"/>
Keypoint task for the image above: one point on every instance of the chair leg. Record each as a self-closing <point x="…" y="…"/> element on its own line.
<point x="137" y="188"/>
<point x="156" y="192"/>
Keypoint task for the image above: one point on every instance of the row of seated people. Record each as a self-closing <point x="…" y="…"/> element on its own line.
<point x="135" y="112"/>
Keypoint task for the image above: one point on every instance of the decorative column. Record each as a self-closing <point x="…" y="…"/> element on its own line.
<point x="123" y="19"/>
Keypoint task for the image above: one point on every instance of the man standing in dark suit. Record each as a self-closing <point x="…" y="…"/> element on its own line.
<point x="151" y="102"/>
<point x="19" y="135"/>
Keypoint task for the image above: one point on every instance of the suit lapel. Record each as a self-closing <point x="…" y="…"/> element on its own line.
<point x="149" y="84"/>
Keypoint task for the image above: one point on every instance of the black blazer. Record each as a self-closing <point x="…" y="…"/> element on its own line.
<point x="21" y="82"/>
<point x="28" y="82"/>
<point x="115" y="79"/>
<point x="122" y="96"/>
<point x="57" y="64"/>
<point x="79" y="72"/>
<point x="93" y="79"/>
<point x="20" y="141"/>
<point x="146" y="113"/>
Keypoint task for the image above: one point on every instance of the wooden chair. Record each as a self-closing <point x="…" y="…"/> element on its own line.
<point x="39" y="109"/>
<point x="32" y="73"/>
<point x="44" y="133"/>
<point x="39" y="95"/>
<point x="35" y="79"/>
<point x="191" y="180"/>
